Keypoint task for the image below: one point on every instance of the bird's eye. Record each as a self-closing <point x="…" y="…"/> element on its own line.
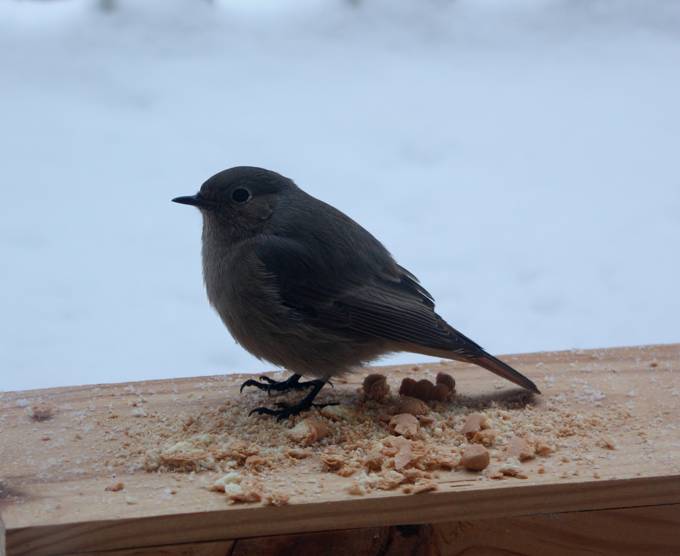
<point x="240" y="195"/>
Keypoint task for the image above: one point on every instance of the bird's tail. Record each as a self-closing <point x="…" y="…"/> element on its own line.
<point x="483" y="359"/>
<point x="495" y="365"/>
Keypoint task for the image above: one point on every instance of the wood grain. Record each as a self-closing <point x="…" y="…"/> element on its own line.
<point x="625" y="532"/>
<point x="47" y="512"/>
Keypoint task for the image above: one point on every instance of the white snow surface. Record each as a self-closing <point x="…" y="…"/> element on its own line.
<point x="522" y="158"/>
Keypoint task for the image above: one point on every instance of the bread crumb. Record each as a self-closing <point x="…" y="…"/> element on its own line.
<point x="309" y="431"/>
<point x="543" y="449"/>
<point x="374" y="461"/>
<point x="487" y="437"/>
<point x="356" y="489"/>
<point x="248" y="495"/>
<point x="277" y="499"/>
<point x="474" y="423"/>
<point x="40" y="412"/>
<point x="116" y="487"/>
<point x="337" y="412"/>
<point x="404" y="424"/>
<point x="332" y="462"/>
<point x="475" y="458"/>
<point x="512" y="470"/>
<point x="295" y="453"/>
<point x="425" y="487"/>
<point x="520" y="449"/>
<point x="606" y="443"/>
<point x="221" y="484"/>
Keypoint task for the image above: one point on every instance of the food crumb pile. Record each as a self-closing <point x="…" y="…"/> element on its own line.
<point x="406" y="436"/>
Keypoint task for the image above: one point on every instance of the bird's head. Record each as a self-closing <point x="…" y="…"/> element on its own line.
<point x="240" y="200"/>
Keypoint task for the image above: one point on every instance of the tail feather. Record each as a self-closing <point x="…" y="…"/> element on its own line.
<point x="491" y="363"/>
<point x="476" y="355"/>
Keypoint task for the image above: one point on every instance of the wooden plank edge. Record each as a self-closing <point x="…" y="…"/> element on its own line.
<point x="649" y="530"/>
<point x="358" y="513"/>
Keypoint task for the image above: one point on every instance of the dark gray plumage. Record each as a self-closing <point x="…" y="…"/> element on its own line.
<point x="302" y="285"/>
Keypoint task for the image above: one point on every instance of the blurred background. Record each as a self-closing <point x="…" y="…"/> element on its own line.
<point x="520" y="157"/>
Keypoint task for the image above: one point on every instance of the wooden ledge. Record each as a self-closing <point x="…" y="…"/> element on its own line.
<point x="53" y="472"/>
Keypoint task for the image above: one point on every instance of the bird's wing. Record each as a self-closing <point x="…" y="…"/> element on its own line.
<point x="388" y="305"/>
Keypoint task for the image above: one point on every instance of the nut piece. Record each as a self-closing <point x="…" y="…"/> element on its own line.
<point x="408" y="385"/>
<point x="308" y="431"/>
<point x="441" y="392"/>
<point x="376" y="387"/>
<point x="475" y="458"/>
<point x="474" y="423"/>
<point x="447" y="380"/>
<point x="413" y="406"/>
<point x="520" y="449"/>
<point x="424" y="390"/>
<point x="404" y="424"/>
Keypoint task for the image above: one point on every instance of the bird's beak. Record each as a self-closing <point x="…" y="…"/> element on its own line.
<point x="194" y="201"/>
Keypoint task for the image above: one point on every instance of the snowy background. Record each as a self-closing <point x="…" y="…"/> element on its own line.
<point x="522" y="158"/>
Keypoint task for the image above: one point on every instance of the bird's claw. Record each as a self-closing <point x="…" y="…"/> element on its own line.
<point x="251" y="382"/>
<point x="270" y="385"/>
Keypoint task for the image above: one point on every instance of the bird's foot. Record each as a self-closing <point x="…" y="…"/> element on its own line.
<point x="284" y="411"/>
<point x="270" y="385"/>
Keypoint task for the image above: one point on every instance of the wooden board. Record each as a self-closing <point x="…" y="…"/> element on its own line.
<point x="652" y="531"/>
<point x="53" y="473"/>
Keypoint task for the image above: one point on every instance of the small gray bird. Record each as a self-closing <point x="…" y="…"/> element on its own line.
<point x="302" y="285"/>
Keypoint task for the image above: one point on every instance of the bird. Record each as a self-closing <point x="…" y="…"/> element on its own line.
<point x="300" y="284"/>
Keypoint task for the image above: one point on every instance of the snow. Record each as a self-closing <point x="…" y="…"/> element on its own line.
<point x="520" y="157"/>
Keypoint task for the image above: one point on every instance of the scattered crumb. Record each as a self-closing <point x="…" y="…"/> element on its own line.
<point x="512" y="470"/>
<point x="474" y="423"/>
<point x="475" y="458"/>
<point x="404" y="424"/>
<point x="277" y="499"/>
<point x="424" y="487"/>
<point x="520" y="449"/>
<point x="487" y="437"/>
<point x="606" y="443"/>
<point x="309" y="431"/>
<point x="337" y="412"/>
<point x="41" y="412"/>
<point x="543" y="449"/>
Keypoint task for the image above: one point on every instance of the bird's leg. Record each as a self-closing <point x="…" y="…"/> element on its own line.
<point x="303" y="405"/>
<point x="270" y="385"/>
